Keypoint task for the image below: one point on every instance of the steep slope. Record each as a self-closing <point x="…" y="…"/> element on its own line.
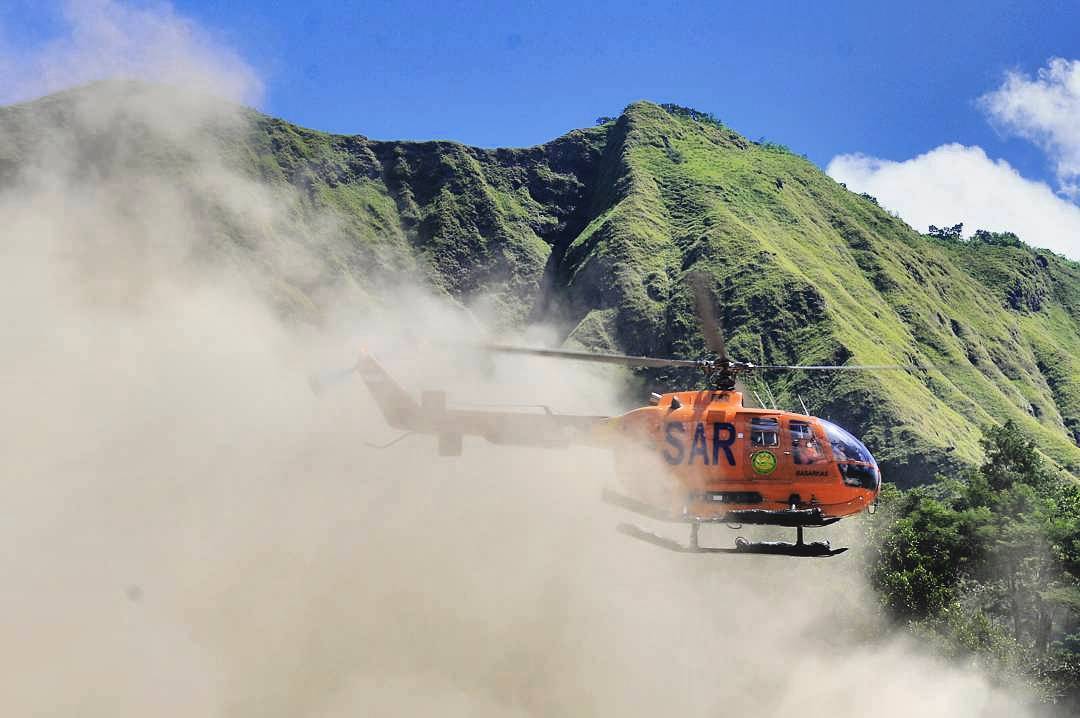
<point x="475" y="222"/>
<point x="596" y="230"/>
<point x="813" y="273"/>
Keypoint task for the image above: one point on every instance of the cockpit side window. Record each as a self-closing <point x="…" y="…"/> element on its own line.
<point x="764" y="431"/>
<point x="805" y="448"/>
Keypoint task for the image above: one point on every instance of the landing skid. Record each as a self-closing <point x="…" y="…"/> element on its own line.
<point x="815" y="549"/>
<point x="791" y="517"/>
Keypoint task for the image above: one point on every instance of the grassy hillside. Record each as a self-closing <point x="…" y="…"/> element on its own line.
<point x="810" y="272"/>
<point x="597" y="229"/>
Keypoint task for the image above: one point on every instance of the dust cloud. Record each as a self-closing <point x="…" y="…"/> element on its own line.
<point x="189" y="531"/>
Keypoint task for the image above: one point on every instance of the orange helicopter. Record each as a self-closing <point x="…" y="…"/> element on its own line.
<point x="730" y="463"/>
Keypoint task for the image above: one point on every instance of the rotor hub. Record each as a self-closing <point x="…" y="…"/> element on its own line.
<point x="723" y="373"/>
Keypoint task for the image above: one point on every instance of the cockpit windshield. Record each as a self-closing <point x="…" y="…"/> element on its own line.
<point x="857" y="466"/>
<point x="845" y="446"/>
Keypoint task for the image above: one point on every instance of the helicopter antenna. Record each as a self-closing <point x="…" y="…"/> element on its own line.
<point x="803" y="403"/>
<point x="758" y="397"/>
<point x="770" y="394"/>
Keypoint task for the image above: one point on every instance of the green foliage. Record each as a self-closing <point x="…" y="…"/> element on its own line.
<point x="959" y="630"/>
<point x="1010" y="459"/>
<point x="929" y="548"/>
<point x="997" y="239"/>
<point x="990" y="563"/>
<point x="954" y="233"/>
<point x="692" y="114"/>
<point x="770" y="146"/>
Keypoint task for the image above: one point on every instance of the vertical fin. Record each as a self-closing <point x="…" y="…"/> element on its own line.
<point x="398" y="407"/>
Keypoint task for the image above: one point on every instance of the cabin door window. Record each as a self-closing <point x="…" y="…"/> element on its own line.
<point x="764" y="432"/>
<point x="805" y="447"/>
<point x="763" y="450"/>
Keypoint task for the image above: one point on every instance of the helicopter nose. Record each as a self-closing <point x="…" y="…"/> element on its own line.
<point x="857" y="465"/>
<point x="877" y="473"/>
<point x="863" y="475"/>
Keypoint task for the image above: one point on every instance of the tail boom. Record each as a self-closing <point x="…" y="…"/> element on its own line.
<point x="515" y="428"/>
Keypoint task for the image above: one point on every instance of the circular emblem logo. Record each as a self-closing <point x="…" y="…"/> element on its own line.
<point x="763" y="462"/>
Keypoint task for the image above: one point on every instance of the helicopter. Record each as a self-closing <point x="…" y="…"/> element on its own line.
<point x="729" y="463"/>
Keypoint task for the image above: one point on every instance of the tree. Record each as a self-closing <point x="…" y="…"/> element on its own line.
<point x="1005" y="539"/>
<point x="1010" y="457"/>
<point x="926" y="553"/>
<point x="998" y="239"/>
<point x="950" y="234"/>
<point x="989" y="562"/>
<point x="691" y="113"/>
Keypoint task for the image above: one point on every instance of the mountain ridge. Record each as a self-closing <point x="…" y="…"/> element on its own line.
<point x="595" y="231"/>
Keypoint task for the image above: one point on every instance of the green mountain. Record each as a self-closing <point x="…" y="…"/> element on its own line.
<point x="596" y="230"/>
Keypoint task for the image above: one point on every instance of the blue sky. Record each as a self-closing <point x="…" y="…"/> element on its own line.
<point x="887" y="80"/>
<point x="822" y="77"/>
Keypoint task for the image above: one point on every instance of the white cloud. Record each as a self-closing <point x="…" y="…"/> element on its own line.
<point x="101" y="39"/>
<point x="954" y="183"/>
<point x="1045" y="110"/>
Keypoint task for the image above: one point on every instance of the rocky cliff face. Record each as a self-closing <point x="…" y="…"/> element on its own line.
<point x="595" y="232"/>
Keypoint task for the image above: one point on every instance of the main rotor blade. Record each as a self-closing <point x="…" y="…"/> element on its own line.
<point x="749" y="397"/>
<point x="621" y="359"/>
<point x="834" y="367"/>
<point x="710" y="328"/>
